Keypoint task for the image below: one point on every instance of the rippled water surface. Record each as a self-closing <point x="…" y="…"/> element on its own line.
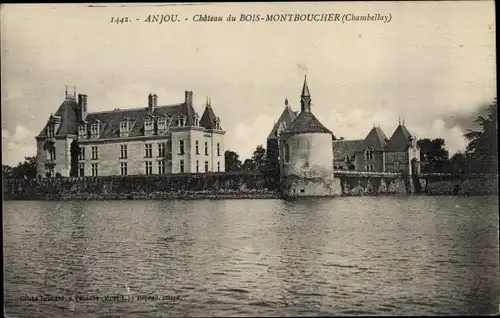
<point x="344" y="256"/>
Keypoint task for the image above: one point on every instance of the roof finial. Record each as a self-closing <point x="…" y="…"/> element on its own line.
<point x="399" y="120"/>
<point x="74" y="91"/>
<point x="305" y="88"/>
<point x="210" y="101"/>
<point x="286" y="101"/>
<point x="206" y="102"/>
<point x="403" y="121"/>
<point x="66" y="92"/>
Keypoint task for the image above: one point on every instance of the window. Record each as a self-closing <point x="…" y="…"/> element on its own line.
<point x="197" y="147"/>
<point x="181" y="121"/>
<point x="94" y="130"/>
<point x="218" y="166"/>
<point x="94" y="153"/>
<point x="162" y="125"/>
<point x="218" y="149"/>
<point x="123" y="168"/>
<point x="81" y="170"/>
<point x="396" y="166"/>
<point x="149" y="167"/>
<point x="161" y="150"/>
<point x="149" y="151"/>
<point x="123" y="151"/>
<point x="161" y="167"/>
<point x="95" y="171"/>
<point x="82" y="131"/>
<point x="206" y="166"/>
<point x="217" y="123"/>
<point x="50" y="171"/>
<point x="181" y="147"/>
<point x="286" y="156"/>
<point x="148" y="124"/>
<point x="50" y="130"/>
<point x="124" y="127"/>
<point x="197" y="166"/>
<point x="196" y="120"/>
<point x="369" y="154"/>
<point x="52" y="154"/>
<point x="206" y="148"/>
<point x="81" y="154"/>
<point x="370" y="168"/>
<point x="181" y="166"/>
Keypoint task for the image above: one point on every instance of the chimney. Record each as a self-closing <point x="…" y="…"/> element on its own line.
<point x="152" y="102"/>
<point x="188" y="99"/>
<point x="82" y="106"/>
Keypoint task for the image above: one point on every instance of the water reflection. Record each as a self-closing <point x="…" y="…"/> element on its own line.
<point x="348" y="256"/>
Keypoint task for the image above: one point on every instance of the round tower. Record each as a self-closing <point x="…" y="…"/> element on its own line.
<point x="306" y="154"/>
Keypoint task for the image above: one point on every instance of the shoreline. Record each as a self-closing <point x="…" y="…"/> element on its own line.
<point x="204" y="196"/>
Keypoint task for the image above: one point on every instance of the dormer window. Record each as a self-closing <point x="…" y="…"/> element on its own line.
<point x="148" y="125"/>
<point x="182" y="121"/>
<point x="217" y="124"/>
<point x="124" y="127"/>
<point x="94" y="130"/>
<point x="162" y="123"/>
<point x="50" y="130"/>
<point x="196" y="120"/>
<point x="82" y="131"/>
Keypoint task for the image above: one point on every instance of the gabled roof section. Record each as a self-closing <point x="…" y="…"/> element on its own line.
<point x="286" y="118"/>
<point x="208" y="119"/>
<point x="400" y="139"/>
<point x="343" y="148"/>
<point x="376" y="139"/>
<point x="67" y="112"/>
<point x="306" y="122"/>
<point x="111" y="119"/>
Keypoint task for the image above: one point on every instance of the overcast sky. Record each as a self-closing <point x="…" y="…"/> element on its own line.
<point x="433" y="64"/>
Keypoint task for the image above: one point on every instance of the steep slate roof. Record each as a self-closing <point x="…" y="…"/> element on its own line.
<point x="68" y="119"/>
<point x="306" y="122"/>
<point x="375" y="139"/>
<point x="343" y="148"/>
<point x="400" y="139"/>
<point x="208" y="119"/>
<point x="110" y="120"/>
<point x="287" y="117"/>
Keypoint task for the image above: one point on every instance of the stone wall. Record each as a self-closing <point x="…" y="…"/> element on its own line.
<point x="239" y="186"/>
<point x="459" y="185"/>
<point x="366" y="183"/>
<point x="213" y="185"/>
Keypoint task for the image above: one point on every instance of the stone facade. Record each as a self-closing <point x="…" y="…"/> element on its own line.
<point x="150" y="140"/>
<point x="306" y="155"/>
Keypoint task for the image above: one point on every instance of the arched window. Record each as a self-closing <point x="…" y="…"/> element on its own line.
<point x="286" y="156"/>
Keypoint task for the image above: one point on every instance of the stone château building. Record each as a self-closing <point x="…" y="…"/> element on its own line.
<point x="305" y="153"/>
<point x="374" y="153"/>
<point x="157" y="139"/>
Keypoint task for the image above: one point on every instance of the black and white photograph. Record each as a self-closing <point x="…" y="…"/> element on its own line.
<point x="249" y="159"/>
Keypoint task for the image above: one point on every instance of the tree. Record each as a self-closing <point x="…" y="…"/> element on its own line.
<point x="459" y="163"/>
<point x="6" y="171"/>
<point x="433" y="155"/>
<point x="482" y="150"/>
<point x="26" y="169"/>
<point x="248" y="165"/>
<point x="259" y="158"/>
<point x="232" y="161"/>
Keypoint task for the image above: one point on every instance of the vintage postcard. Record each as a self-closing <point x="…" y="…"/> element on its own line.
<point x="250" y="159"/>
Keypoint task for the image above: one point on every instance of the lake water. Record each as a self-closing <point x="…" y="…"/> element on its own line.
<point x="401" y="255"/>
